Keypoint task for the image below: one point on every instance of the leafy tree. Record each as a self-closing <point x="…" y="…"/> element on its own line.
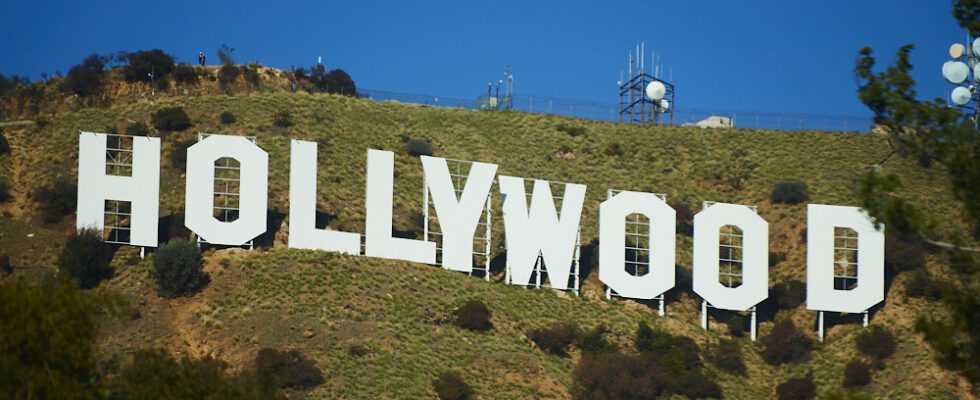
<point x="920" y="129"/>
<point x="57" y="200"/>
<point x="450" y="385"/>
<point x="473" y="315"/>
<point x="594" y="342"/>
<point x="785" y="344"/>
<point x="556" y="338"/>
<point x="186" y="74"/>
<point x="86" y="258"/>
<point x="146" y="62"/>
<point x="8" y="84"/>
<point x="792" y="192"/>
<point x="227" y="117"/>
<point x="86" y="79"/>
<point x="856" y="374"/>
<point x="335" y="81"/>
<point x="47" y="348"/>
<point x="177" y="269"/>
<point x="137" y="129"/>
<point x="171" y="119"/>
<point x="728" y="356"/>
<point x="797" y="389"/>
<point x="155" y="374"/>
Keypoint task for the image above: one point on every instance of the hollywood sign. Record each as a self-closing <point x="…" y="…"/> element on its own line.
<point x="535" y="231"/>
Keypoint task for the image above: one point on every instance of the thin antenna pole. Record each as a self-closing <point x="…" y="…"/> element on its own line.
<point x="643" y="56"/>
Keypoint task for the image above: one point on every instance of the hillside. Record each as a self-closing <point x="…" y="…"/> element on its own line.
<point x="272" y="296"/>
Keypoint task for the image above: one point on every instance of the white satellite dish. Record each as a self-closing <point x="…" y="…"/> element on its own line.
<point x="976" y="47"/>
<point x="955" y="71"/>
<point x="956" y="50"/>
<point x="664" y="104"/>
<point x="656" y="90"/>
<point x="960" y="95"/>
<point x="976" y="72"/>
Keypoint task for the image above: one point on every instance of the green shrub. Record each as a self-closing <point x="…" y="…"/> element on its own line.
<point x="177" y="269"/>
<point x="137" y="129"/>
<point x="228" y="74"/>
<point x="736" y="325"/>
<point x="251" y="74"/>
<point x="876" y="342"/>
<point x="186" y="74"/>
<point x="792" y="192"/>
<point x="614" y="149"/>
<point x="856" y="374"/>
<point x="418" y="147"/>
<point x="616" y="376"/>
<point x="57" y="200"/>
<point x="571" y="130"/>
<point x="171" y="119"/>
<point x="678" y="362"/>
<point x="227" y="117"/>
<point x="155" y="374"/>
<point x="86" y="79"/>
<point x="5" y="265"/>
<point x="789" y="294"/>
<point x="289" y="369"/>
<point x="282" y="119"/>
<point x="178" y="157"/>
<point x="775" y="258"/>
<point x="728" y="357"/>
<point x="555" y="338"/>
<point x="922" y="284"/>
<point x="797" y="389"/>
<point x="4" y="191"/>
<point x="473" y="315"/>
<point x="594" y="342"/>
<point x="785" y="344"/>
<point x="86" y="258"/>
<point x="4" y="144"/>
<point x="685" y="218"/>
<point x="145" y="62"/>
<point x="450" y="385"/>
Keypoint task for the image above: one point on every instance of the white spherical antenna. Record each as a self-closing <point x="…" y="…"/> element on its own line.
<point x="664" y="104"/>
<point x="976" y="47"/>
<point x="955" y="71"/>
<point x="656" y="90"/>
<point x="960" y="96"/>
<point x="976" y="73"/>
<point x="956" y="50"/>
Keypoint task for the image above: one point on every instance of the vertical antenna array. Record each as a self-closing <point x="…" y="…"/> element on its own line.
<point x="645" y="98"/>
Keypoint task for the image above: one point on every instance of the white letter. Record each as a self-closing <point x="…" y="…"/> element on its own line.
<point x="253" y="190"/>
<point x="755" y="254"/>
<point x="612" y="244"/>
<point x="379" y="243"/>
<point x="302" y="206"/>
<point x="142" y="190"/>
<point x="540" y="231"/>
<point x="458" y="218"/>
<point x="820" y="293"/>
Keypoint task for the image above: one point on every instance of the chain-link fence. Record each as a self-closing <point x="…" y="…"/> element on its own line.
<point x="610" y="112"/>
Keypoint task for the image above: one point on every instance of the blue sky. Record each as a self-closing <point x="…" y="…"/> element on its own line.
<point x="772" y="56"/>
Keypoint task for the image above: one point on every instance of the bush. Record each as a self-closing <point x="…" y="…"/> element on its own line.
<point x="177" y="269"/>
<point x="282" y="119"/>
<point x="685" y="219"/>
<point x="228" y="74"/>
<point x="146" y="62"/>
<point x="86" y="79"/>
<point x="186" y="74"/>
<point x="678" y="360"/>
<point x="789" y="294"/>
<point x="856" y="374"/>
<point x="473" y="315"/>
<point x="336" y="81"/>
<point x="86" y="258"/>
<point x="614" y="149"/>
<point x="4" y="191"/>
<point x="418" y="147"/>
<point x="775" y="258"/>
<point x="593" y="342"/>
<point x="922" y="284"/>
<point x="251" y="74"/>
<point x="451" y="386"/>
<point x="556" y="338"/>
<point x="156" y="374"/>
<point x="137" y="129"/>
<point x="876" y="342"/>
<point x="728" y="357"/>
<point x="171" y="119"/>
<point x="5" y="265"/>
<point x="785" y="344"/>
<point x="288" y="369"/>
<point x="571" y="130"/>
<point x="792" y="192"/>
<point x="178" y="158"/>
<point x="4" y="144"/>
<point x="736" y="325"/>
<point x="57" y="200"/>
<point x="616" y="376"/>
<point x="227" y="117"/>
<point x="797" y="389"/>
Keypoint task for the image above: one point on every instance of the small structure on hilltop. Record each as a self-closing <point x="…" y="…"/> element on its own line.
<point x="493" y="100"/>
<point x="714" y="121"/>
<point x="643" y="98"/>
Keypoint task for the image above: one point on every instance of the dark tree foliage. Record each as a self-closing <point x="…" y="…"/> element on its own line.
<point x="450" y="385"/>
<point x="797" y="389"/>
<point x="171" y="119"/>
<point x="555" y="338"/>
<point x="919" y="129"/>
<point x="155" y="374"/>
<point x="789" y="294"/>
<point x="186" y="74"/>
<point x="685" y="218"/>
<point x="178" y="156"/>
<point x="47" y="348"/>
<point x="679" y="360"/>
<point x="137" y="129"/>
<point x="143" y="63"/>
<point x="57" y="200"/>
<point x="789" y="192"/>
<point x="4" y="144"/>
<point x="251" y="74"/>
<point x="282" y="119"/>
<point x="336" y="81"/>
<point x="876" y="342"/>
<point x="473" y="315"/>
<point x="571" y="130"/>
<point x="418" y="147"/>
<point x="8" y="84"/>
<point x="736" y="325"/>
<point x="923" y="285"/>
<point x="856" y="374"/>
<point x="177" y="269"/>
<point x="616" y="376"/>
<point x="5" y="266"/>
<point x="4" y="191"/>
<point x="593" y="342"/>
<point x="785" y="344"/>
<point x="227" y="117"/>
<point x="86" y="258"/>
<point x="288" y="369"/>
<point x="86" y="79"/>
<point x="727" y="356"/>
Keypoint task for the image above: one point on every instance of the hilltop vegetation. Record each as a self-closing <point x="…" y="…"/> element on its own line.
<point x="378" y="328"/>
